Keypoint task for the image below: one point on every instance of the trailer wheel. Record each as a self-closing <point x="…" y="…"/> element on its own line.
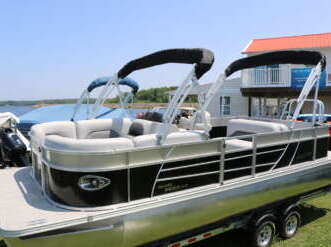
<point x="263" y="233"/>
<point x="289" y="225"/>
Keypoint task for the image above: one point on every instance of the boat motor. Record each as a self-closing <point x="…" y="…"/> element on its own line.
<point x="13" y="149"/>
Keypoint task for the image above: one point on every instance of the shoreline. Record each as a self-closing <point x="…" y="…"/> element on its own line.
<point x="133" y="106"/>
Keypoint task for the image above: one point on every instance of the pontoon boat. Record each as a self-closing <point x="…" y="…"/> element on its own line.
<point x="107" y="182"/>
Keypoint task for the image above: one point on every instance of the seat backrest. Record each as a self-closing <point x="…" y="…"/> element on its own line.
<point x="186" y="123"/>
<point x="102" y="128"/>
<point x="246" y="126"/>
<point x="173" y="138"/>
<point x="62" y="128"/>
<point x="237" y="145"/>
<point x="146" y="127"/>
<point x="57" y="142"/>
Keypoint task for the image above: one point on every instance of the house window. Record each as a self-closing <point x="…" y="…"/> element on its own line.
<point x="225" y="102"/>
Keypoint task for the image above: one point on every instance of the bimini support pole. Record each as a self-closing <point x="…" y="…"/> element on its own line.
<point x="79" y="103"/>
<point x="111" y="84"/>
<point x="176" y="101"/>
<point x="315" y="101"/>
<point x="286" y="113"/>
<point x="214" y="88"/>
<point x="108" y="84"/>
<point x="202" y="59"/>
<point x="179" y="98"/>
<point x="312" y="80"/>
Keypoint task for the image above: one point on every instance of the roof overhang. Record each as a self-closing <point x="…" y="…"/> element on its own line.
<point x="310" y="41"/>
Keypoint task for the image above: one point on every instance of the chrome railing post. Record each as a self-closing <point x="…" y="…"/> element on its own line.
<point x="315" y="143"/>
<point x="221" y="149"/>
<point x="127" y="162"/>
<point x="254" y="157"/>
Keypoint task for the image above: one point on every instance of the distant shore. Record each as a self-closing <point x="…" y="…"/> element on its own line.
<point x="144" y="98"/>
<point x="134" y="106"/>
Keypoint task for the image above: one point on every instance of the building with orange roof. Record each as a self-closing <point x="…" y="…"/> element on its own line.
<point x="268" y="87"/>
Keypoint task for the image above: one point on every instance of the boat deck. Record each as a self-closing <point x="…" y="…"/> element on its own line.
<point x="24" y="210"/>
<point x="31" y="210"/>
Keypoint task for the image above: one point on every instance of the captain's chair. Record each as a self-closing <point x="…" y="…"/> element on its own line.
<point x="186" y="123"/>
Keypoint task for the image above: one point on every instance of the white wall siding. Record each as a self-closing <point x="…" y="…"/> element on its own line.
<point x="231" y="88"/>
<point x="238" y="103"/>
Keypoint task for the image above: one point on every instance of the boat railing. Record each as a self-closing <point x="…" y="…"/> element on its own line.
<point x="228" y="158"/>
<point x="273" y="143"/>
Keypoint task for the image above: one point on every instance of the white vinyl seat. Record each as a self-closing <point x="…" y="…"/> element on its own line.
<point x="40" y="131"/>
<point x="237" y="127"/>
<point x="236" y="144"/>
<point x="248" y="126"/>
<point x="186" y="123"/>
<point x="56" y="142"/>
<point x="106" y="135"/>
<point x="103" y="128"/>
<point x="145" y="127"/>
<point x="179" y="137"/>
<point x="85" y="135"/>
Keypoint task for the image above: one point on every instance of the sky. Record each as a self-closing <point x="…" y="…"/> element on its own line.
<point x="54" y="48"/>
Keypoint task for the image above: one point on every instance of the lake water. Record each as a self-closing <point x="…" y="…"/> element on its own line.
<point x="17" y="110"/>
<point x="20" y="110"/>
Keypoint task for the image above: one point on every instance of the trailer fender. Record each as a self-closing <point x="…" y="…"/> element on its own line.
<point x="286" y="210"/>
<point x="256" y="220"/>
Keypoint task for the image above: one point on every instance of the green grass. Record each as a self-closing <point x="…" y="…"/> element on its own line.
<point x="314" y="232"/>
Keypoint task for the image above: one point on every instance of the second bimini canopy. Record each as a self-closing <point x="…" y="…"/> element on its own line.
<point x="99" y="82"/>
<point x="277" y="57"/>
<point x="288" y="57"/>
<point x="102" y="81"/>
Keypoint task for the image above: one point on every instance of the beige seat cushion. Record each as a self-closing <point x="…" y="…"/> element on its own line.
<point x="173" y="138"/>
<point x="253" y="126"/>
<point x="40" y="131"/>
<point x="102" y="128"/>
<point x="238" y="144"/>
<point x="186" y="123"/>
<point x="146" y="127"/>
<point x="56" y="142"/>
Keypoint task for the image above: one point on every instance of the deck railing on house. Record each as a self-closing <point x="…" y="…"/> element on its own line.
<point x="266" y="77"/>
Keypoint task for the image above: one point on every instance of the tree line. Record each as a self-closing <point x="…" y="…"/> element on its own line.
<point x="151" y="95"/>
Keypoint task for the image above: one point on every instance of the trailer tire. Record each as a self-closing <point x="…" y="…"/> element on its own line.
<point x="289" y="225"/>
<point x="263" y="233"/>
